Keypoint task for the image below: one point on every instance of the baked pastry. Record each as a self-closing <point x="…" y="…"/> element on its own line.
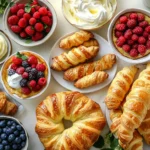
<point x="105" y="63"/>
<point x="119" y="87"/>
<point x="91" y="42"/>
<point x="96" y="77"/>
<point x="74" y="57"/>
<point x="75" y="39"/>
<point x="86" y="115"/>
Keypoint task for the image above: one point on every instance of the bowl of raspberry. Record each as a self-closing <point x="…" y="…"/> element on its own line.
<point x="30" y="23"/>
<point x="13" y="135"/>
<point x="129" y="35"/>
<point x="25" y="75"/>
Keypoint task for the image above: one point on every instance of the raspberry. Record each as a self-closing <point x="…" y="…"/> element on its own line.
<point x="40" y="67"/>
<point x="43" y="11"/>
<point x="133" y="16"/>
<point x="37" y="36"/>
<point x="16" y="60"/>
<point x="33" y="10"/>
<point x="33" y="66"/>
<point x="46" y="20"/>
<point x="121" y="40"/>
<point x="39" y="27"/>
<point x="123" y="19"/>
<point x="26" y="90"/>
<point x="42" y="81"/>
<point x="13" y="20"/>
<point x="37" y="88"/>
<point x="141" y="49"/>
<point x="14" y="9"/>
<point x="133" y="53"/>
<point x="143" y="24"/>
<point x="130" y="42"/>
<point x="16" y="29"/>
<point x="36" y="15"/>
<point x="20" y="70"/>
<point x="135" y="46"/>
<point x="20" y="13"/>
<point x="147" y="29"/>
<point x="126" y="48"/>
<point x="48" y="29"/>
<point x="32" y="60"/>
<point x="25" y="75"/>
<point x="148" y="37"/>
<point x="141" y="40"/>
<point x="29" y="30"/>
<point x="145" y="34"/>
<point x="120" y="27"/>
<point x="141" y="17"/>
<point x="138" y="30"/>
<point x="23" y="34"/>
<point x="49" y="14"/>
<point x="32" y="21"/>
<point x="134" y="37"/>
<point x="27" y="16"/>
<point x="14" y="66"/>
<point x="118" y="33"/>
<point x="128" y="34"/>
<point x="32" y="83"/>
<point x="131" y="23"/>
<point x="22" y="23"/>
<point x="148" y="44"/>
<point x="21" y="6"/>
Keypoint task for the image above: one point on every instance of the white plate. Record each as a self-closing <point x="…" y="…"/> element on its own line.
<point x="105" y="48"/>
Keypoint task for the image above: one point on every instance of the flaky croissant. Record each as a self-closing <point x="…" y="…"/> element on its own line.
<point x="75" y="39"/>
<point x="106" y="62"/>
<point x="74" y="57"/>
<point x="96" y="77"/>
<point x="91" y="42"/>
<point x="119" y="87"/>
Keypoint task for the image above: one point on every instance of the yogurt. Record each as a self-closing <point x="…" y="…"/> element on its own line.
<point x="89" y="14"/>
<point x="3" y="46"/>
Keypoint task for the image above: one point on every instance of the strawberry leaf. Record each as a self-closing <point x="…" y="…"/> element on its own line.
<point x="27" y="8"/>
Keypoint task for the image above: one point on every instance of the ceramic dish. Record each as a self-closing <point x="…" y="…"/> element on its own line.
<point x="104" y="49"/>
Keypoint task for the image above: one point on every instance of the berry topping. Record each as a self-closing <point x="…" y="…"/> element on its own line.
<point x="34" y="71"/>
<point x="147" y="29"/>
<point x="123" y="19"/>
<point x="23" y="82"/>
<point x="118" y="34"/>
<point x="141" y="40"/>
<point x="13" y="20"/>
<point x="141" y="49"/>
<point x="138" y="30"/>
<point x="126" y="47"/>
<point x="14" y="66"/>
<point x="143" y="24"/>
<point x="25" y="75"/>
<point x="32" y="83"/>
<point x="28" y="69"/>
<point x="46" y="20"/>
<point x="128" y="34"/>
<point x="40" y="74"/>
<point x="130" y="42"/>
<point x="32" y="21"/>
<point x="20" y="70"/>
<point x="20" y="13"/>
<point x="131" y="23"/>
<point x="133" y="53"/>
<point x="29" y="30"/>
<point x="31" y="76"/>
<point x="16" y="60"/>
<point x="16" y="29"/>
<point x="26" y="90"/>
<point x="42" y="81"/>
<point x="27" y="16"/>
<point x="120" y="27"/>
<point x="23" y="34"/>
<point x="134" y="37"/>
<point x="134" y="16"/>
<point x="141" y="17"/>
<point x="22" y="23"/>
<point x="25" y="64"/>
<point x="121" y="40"/>
<point x="40" y="67"/>
<point x="14" y="9"/>
<point x="37" y="36"/>
<point x="43" y="11"/>
<point x="33" y="65"/>
<point x="32" y="60"/>
<point x="11" y="72"/>
<point x="37" y="88"/>
<point x="36" y="15"/>
<point x="21" y="6"/>
<point x="39" y="27"/>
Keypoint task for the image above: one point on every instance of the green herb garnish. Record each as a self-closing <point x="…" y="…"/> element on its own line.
<point x="27" y="8"/>
<point x="3" y="5"/>
<point x="99" y="143"/>
<point x="11" y="4"/>
<point x="23" y="57"/>
<point x="28" y="41"/>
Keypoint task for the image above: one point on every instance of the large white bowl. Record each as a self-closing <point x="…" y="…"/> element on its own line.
<point x="23" y="42"/>
<point x="109" y="35"/>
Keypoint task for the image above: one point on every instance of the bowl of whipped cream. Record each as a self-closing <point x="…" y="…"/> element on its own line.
<point x="88" y="14"/>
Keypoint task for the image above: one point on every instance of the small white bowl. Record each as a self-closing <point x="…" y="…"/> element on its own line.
<point x="34" y="96"/>
<point x="23" y="42"/>
<point x="14" y="119"/>
<point x="109" y="35"/>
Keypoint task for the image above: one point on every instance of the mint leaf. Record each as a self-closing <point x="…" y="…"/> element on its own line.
<point x="24" y="57"/>
<point x="107" y="149"/>
<point x="18" y="55"/>
<point x="99" y="143"/>
<point x="27" y="8"/>
<point x="11" y="4"/>
<point x="114" y="143"/>
<point x="109" y="137"/>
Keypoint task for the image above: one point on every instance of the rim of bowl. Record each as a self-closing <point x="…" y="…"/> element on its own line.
<point x="89" y="29"/>
<point x="109" y="36"/>
<point x="21" y="41"/>
<point x="26" y="133"/>
<point x="34" y="96"/>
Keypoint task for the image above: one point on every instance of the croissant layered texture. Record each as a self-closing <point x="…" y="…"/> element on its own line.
<point x="91" y="42"/>
<point x="85" y="114"/>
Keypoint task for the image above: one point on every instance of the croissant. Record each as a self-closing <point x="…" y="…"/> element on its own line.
<point x="85" y="114"/>
<point x="75" y="39"/>
<point x="91" y="42"/>
<point x="105" y="63"/>
<point x="92" y="79"/>
<point x="74" y="57"/>
<point x="119" y="87"/>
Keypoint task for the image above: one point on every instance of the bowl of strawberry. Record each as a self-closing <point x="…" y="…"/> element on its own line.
<point x="25" y="75"/>
<point x="30" y="23"/>
<point x="129" y="35"/>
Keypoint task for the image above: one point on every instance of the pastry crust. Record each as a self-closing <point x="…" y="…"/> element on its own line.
<point x="91" y="42"/>
<point x="5" y="76"/>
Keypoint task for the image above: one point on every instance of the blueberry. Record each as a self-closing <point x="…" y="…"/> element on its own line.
<point x="14" y="146"/>
<point x="23" y="82"/>
<point x="14" y="123"/>
<point x="1" y="147"/>
<point x="18" y="140"/>
<point x="28" y="69"/>
<point x="4" y="130"/>
<point x="3" y="123"/>
<point x="11" y="137"/>
<point x="4" y="142"/>
<point x="23" y="144"/>
<point x="23" y="136"/>
<point x="40" y="74"/>
<point x="16" y="133"/>
<point x="25" y="64"/>
<point x="13" y="128"/>
<point x="9" y="131"/>
<point x="1" y="130"/>
<point x="11" y="72"/>
<point x="22" y="132"/>
<point x="7" y="147"/>
<point x="19" y="127"/>
<point x="9" y="123"/>
<point x="34" y="71"/>
<point x="3" y="136"/>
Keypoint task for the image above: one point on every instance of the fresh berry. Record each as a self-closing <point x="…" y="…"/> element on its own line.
<point x="16" y="60"/>
<point x="49" y="14"/>
<point x="126" y="47"/>
<point x="20" y="13"/>
<point x="37" y="36"/>
<point x="138" y="30"/>
<point x="134" y="37"/>
<point x="43" y="11"/>
<point x="34" y="71"/>
<point x="46" y="20"/>
<point x="25" y="64"/>
<point x="20" y="70"/>
<point x="147" y="29"/>
<point x="35" y="2"/>
<point x="14" y="66"/>
<point x="133" y="16"/>
<point x="26" y="90"/>
<point x="39" y="27"/>
<point x="21" y="6"/>
<point x="13" y="20"/>
<point x="32" y="21"/>
<point x="48" y="29"/>
<point x="145" y="34"/>
<point x="128" y="34"/>
<point x="40" y="67"/>
<point x="141" y="49"/>
<point x="135" y="46"/>
<point x="23" y="34"/>
<point x="31" y="76"/>
<point x="40" y="74"/>
<point x="143" y="24"/>
<point x="23" y="82"/>
<point x="25" y="75"/>
<point x="22" y="23"/>
<point x="133" y="53"/>
<point x="148" y="44"/>
<point x="14" y="9"/>
<point x="16" y="29"/>
<point x="123" y="19"/>
<point x="32" y="83"/>
<point x="27" y="16"/>
<point x="42" y="81"/>
<point x="28" y="69"/>
<point x="33" y="65"/>
<point x="130" y="42"/>
<point x="29" y="30"/>
<point x="11" y="72"/>
<point x="121" y="40"/>
<point x="120" y="27"/>
<point x="32" y="60"/>
<point x="131" y="23"/>
<point x="148" y="37"/>
<point x="37" y="88"/>
<point x="141" y="40"/>
<point x="33" y="10"/>
<point x="36" y="15"/>
<point x="37" y="7"/>
<point x="118" y="34"/>
<point x="141" y="17"/>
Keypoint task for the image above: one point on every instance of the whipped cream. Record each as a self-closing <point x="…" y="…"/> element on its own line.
<point x="3" y="46"/>
<point x="14" y="81"/>
<point x="89" y="13"/>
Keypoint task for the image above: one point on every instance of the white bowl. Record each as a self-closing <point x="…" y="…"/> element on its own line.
<point x="23" y="42"/>
<point x="34" y="96"/>
<point x="14" y="119"/>
<point x="109" y="35"/>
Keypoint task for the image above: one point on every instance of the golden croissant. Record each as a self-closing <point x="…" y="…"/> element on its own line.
<point x="75" y="39"/>
<point x="74" y="57"/>
<point x="91" y="42"/>
<point x="96" y="77"/>
<point x="120" y="86"/>
<point x="85" y="114"/>
<point x="106" y="62"/>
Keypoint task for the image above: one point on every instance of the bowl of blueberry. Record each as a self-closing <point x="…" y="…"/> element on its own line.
<point x="13" y="136"/>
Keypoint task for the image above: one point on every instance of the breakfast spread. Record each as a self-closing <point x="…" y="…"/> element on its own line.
<point x="88" y="14"/>
<point x="3" y="47"/>
<point x="85" y="114"/>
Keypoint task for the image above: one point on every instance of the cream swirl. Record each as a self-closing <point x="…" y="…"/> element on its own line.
<point x="3" y="46"/>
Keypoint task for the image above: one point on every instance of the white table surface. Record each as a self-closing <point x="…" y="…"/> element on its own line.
<point x="28" y="118"/>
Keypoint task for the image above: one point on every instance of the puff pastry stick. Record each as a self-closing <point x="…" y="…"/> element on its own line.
<point x="92" y="79"/>
<point x="106" y="62"/>
<point x="91" y="42"/>
<point x="119" y="87"/>
<point x="74" y="57"/>
<point x="75" y="39"/>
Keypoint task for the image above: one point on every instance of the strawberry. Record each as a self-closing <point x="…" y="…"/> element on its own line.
<point x="35" y="2"/>
<point x="27" y="16"/>
<point x="37" y="36"/>
<point x="126" y="47"/>
<point x="29" y="30"/>
<point x="21" y="6"/>
<point x="39" y="27"/>
<point x="42" y="81"/>
<point x="20" y="13"/>
<point x="32" y="83"/>
<point x="141" y="49"/>
<point x="48" y="29"/>
<point x="133" y="16"/>
<point x="40" y="67"/>
<point x="13" y="66"/>
<point x="15" y="29"/>
<point x="123" y="19"/>
<point x="36" y="15"/>
<point x="32" y="60"/>
<point x="23" y="34"/>
<point x="37" y="7"/>
<point x="141" y="40"/>
<point x="22" y="23"/>
<point x="33" y="10"/>
<point x="14" y="9"/>
<point x="43" y="11"/>
<point x="49" y="14"/>
<point x="26" y="90"/>
<point x="20" y="70"/>
<point x="13" y="20"/>
<point x="32" y="21"/>
<point x="46" y="20"/>
<point x="133" y="53"/>
<point x="16" y="60"/>
<point x="120" y="27"/>
<point x="131" y="23"/>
